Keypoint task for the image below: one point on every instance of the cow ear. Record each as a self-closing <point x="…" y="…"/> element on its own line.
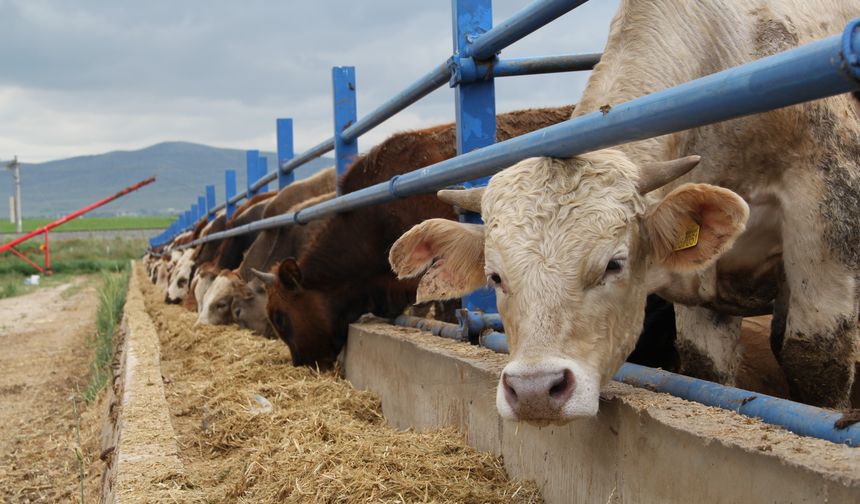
<point x="449" y="254"/>
<point x="695" y="224"/>
<point x="289" y="274"/>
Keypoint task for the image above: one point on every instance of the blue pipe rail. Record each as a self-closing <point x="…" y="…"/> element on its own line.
<point x="522" y="23"/>
<point x="795" y="417"/>
<point x="437" y="328"/>
<point x="813" y="71"/>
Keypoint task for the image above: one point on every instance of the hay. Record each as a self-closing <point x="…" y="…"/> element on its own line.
<point x="323" y="441"/>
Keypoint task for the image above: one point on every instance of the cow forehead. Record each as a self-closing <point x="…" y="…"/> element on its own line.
<point x="555" y="207"/>
<point x="221" y="287"/>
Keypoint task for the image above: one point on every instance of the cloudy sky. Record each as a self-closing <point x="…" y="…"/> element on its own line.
<point x="85" y="77"/>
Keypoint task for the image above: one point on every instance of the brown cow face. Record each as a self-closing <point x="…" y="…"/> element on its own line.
<point x="249" y="307"/>
<point x="312" y="322"/>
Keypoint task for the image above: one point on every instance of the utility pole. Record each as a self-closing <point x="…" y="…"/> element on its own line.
<point x="16" y="167"/>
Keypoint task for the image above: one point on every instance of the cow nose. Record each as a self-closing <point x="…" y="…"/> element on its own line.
<point x="538" y="394"/>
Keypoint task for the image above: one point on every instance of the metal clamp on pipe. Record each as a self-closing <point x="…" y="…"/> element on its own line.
<point x="463" y="70"/>
<point x="474" y="323"/>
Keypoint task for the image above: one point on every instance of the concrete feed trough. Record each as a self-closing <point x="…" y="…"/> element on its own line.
<point x="642" y="447"/>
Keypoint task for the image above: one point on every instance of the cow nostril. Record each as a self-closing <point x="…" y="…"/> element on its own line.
<point x="510" y="391"/>
<point x="562" y="388"/>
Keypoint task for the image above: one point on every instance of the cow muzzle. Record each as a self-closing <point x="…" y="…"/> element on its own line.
<point x="549" y="391"/>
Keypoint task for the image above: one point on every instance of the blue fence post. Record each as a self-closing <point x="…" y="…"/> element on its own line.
<point x="195" y="214"/>
<point x="210" y="202"/>
<point x="201" y="207"/>
<point x="262" y="169"/>
<point x="230" y="186"/>
<point x="251" y="166"/>
<point x="475" y="107"/>
<point x="343" y="90"/>
<point x="284" y="128"/>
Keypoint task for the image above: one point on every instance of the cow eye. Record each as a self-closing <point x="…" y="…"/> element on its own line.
<point x="614" y="266"/>
<point x="182" y="282"/>
<point x="495" y="279"/>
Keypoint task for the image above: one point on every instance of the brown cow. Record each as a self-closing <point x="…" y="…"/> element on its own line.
<point x="232" y="250"/>
<point x="249" y="296"/>
<point x="343" y="272"/>
<point x="261" y="254"/>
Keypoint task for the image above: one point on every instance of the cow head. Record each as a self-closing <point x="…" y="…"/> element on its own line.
<point x="572" y="247"/>
<point x="162" y="275"/>
<point x="216" y="306"/>
<point x="202" y="281"/>
<point x="180" y="279"/>
<point x="311" y="319"/>
<point x="249" y="306"/>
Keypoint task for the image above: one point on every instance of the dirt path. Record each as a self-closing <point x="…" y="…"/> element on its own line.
<point x="44" y="339"/>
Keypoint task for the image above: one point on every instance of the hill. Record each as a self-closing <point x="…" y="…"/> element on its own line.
<point x="182" y="171"/>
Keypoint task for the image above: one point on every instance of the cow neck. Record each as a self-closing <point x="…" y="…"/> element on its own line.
<point x="642" y="30"/>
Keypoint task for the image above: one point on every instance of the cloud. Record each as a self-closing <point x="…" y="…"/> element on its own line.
<point x="90" y="76"/>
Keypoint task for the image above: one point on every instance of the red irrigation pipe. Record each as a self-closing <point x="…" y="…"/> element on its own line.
<point x="9" y="247"/>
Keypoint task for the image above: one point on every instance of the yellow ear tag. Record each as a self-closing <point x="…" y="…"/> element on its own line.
<point x="689" y="239"/>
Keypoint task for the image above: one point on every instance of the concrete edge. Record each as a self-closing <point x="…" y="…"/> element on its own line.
<point x="138" y="440"/>
<point x="642" y="447"/>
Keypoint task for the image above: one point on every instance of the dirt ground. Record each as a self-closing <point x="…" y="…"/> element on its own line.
<point x="44" y="336"/>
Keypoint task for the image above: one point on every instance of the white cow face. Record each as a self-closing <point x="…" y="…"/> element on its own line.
<point x="215" y="309"/>
<point x="180" y="279"/>
<point x="202" y="281"/>
<point x="572" y="249"/>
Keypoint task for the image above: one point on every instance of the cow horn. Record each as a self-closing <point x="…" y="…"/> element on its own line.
<point x="266" y="278"/>
<point x="467" y="199"/>
<point x="655" y="175"/>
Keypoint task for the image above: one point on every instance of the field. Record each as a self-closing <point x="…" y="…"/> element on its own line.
<point x="95" y="223"/>
<point x="69" y="258"/>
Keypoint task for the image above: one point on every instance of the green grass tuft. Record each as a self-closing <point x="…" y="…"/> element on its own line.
<point x="95" y="223"/>
<point x="111" y="301"/>
<point x="10" y="288"/>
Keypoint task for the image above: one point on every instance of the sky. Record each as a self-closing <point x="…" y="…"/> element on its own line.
<point x="84" y="77"/>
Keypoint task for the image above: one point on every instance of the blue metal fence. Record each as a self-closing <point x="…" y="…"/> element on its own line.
<point x="817" y="70"/>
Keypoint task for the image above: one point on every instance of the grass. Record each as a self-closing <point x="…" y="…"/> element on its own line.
<point x="95" y="223"/>
<point x="68" y="258"/>
<point x="111" y="301"/>
<point x="76" y="256"/>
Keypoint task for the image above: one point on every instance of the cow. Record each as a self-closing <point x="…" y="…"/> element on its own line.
<point x="572" y="246"/>
<point x="208" y="252"/>
<point x="231" y="250"/>
<point x="342" y="273"/>
<point x="230" y="284"/>
<point x="180" y="278"/>
<point x="203" y="279"/>
<point x="249" y="297"/>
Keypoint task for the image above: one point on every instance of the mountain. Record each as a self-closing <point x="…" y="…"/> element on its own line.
<point x="182" y="171"/>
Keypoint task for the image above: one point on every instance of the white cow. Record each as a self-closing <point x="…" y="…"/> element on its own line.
<point x="573" y="247"/>
<point x="180" y="278"/>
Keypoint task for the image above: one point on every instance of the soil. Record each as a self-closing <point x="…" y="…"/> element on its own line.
<point x="46" y="356"/>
